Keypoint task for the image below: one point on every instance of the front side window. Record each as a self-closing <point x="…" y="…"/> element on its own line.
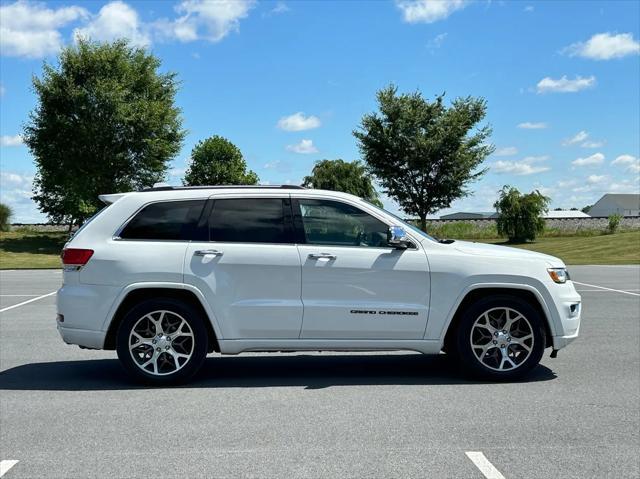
<point x="329" y="222"/>
<point x="167" y="220"/>
<point x="251" y="220"/>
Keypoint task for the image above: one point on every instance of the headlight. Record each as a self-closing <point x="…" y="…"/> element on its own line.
<point x="559" y="275"/>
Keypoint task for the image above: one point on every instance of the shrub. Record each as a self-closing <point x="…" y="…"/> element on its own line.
<point x="5" y="216"/>
<point x="614" y="223"/>
<point x="520" y="216"/>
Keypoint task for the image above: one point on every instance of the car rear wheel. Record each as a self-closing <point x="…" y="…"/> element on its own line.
<point x="162" y="341"/>
<point x="500" y="338"/>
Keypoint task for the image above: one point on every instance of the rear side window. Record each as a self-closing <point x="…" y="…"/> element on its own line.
<point x="167" y="220"/>
<point x="251" y="220"/>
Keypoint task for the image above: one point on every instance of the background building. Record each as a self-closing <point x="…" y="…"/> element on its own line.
<point x="609" y="204"/>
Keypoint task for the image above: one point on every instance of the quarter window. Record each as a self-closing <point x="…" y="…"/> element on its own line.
<point x="167" y="220"/>
<point x="329" y="222"/>
<point x="251" y="220"/>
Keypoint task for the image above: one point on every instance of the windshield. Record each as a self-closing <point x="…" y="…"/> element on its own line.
<point x="413" y="228"/>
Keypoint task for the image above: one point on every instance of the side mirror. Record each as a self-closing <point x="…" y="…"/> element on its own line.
<point x="397" y="237"/>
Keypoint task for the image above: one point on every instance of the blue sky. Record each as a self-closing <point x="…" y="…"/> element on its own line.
<point x="289" y="81"/>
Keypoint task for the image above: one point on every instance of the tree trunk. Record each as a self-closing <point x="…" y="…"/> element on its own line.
<point x="423" y="223"/>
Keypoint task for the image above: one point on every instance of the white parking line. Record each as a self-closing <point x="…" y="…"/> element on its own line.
<point x="26" y="302"/>
<point x="603" y="290"/>
<point x="6" y="465"/>
<point x="607" y="289"/>
<point x="18" y="295"/>
<point x="487" y="469"/>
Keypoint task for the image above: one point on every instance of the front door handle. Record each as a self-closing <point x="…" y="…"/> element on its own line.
<point x="208" y="252"/>
<point x="322" y="256"/>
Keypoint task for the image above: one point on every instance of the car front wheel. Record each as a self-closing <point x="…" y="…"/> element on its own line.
<point x="500" y="338"/>
<point x="162" y="341"/>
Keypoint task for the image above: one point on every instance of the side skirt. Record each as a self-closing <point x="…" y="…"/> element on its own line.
<point x="236" y="346"/>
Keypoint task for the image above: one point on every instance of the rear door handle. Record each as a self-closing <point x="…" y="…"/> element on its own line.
<point x="208" y="252"/>
<point x="322" y="256"/>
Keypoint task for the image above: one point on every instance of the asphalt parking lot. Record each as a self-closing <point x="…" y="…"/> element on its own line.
<point x="65" y="412"/>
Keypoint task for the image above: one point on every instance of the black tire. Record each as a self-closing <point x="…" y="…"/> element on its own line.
<point x="471" y="363"/>
<point x="197" y="344"/>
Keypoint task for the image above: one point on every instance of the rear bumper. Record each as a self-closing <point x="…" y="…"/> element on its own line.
<point x="82" y="337"/>
<point x="85" y="308"/>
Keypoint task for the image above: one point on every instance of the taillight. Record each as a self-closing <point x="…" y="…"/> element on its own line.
<point x="76" y="256"/>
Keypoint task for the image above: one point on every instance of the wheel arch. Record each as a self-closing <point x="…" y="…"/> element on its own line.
<point x="137" y="293"/>
<point x="524" y="292"/>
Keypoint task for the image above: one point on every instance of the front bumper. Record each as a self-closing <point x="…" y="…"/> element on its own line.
<point x="568" y="304"/>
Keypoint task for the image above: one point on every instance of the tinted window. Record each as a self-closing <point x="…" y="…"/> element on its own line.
<point x="334" y="223"/>
<point x="256" y="220"/>
<point x="168" y="220"/>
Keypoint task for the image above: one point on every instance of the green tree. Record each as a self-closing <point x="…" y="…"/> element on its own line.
<point x="520" y="216"/>
<point x="105" y="122"/>
<point x="586" y="209"/>
<point x="217" y="161"/>
<point x="424" y="153"/>
<point x="614" y="223"/>
<point x="5" y="217"/>
<point x="339" y="175"/>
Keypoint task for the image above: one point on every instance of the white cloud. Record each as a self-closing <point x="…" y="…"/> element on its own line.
<point x="630" y="162"/>
<point x="205" y="19"/>
<point x="526" y="166"/>
<point x="527" y="125"/>
<point x="593" y="160"/>
<point x="564" y="84"/>
<point x="298" y="122"/>
<point x="30" y="29"/>
<point x="8" y="140"/>
<point x="272" y="164"/>
<point x="577" y="138"/>
<point x="605" y="46"/>
<point x="624" y="160"/>
<point x="428" y="11"/>
<point x="592" y="144"/>
<point x="15" y="191"/>
<point x="3" y="90"/>
<point x="305" y="147"/>
<point x="582" y="137"/>
<point x="280" y="7"/>
<point x="437" y="41"/>
<point x="506" y="151"/>
<point x="529" y="8"/>
<point x="116" y="20"/>
<point x="592" y="179"/>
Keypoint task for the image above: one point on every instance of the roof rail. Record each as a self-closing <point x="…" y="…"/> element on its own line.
<point x="222" y="187"/>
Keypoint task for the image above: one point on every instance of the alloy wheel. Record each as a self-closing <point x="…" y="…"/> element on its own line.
<point x="502" y="339"/>
<point x="161" y="342"/>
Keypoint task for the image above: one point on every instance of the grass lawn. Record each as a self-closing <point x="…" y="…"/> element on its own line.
<point x="31" y="249"/>
<point x="619" y="248"/>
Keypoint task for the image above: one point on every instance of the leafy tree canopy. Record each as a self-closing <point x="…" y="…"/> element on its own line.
<point x="217" y="161"/>
<point x="5" y="217"/>
<point x="520" y="216"/>
<point x="105" y="122"/>
<point x="422" y="152"/>
<point x="339" y="175"/>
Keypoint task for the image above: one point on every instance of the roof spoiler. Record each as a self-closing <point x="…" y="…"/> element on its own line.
<point x="110" y="199"/>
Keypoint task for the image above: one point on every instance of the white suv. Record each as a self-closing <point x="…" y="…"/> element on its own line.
<point x="167" y="275"/>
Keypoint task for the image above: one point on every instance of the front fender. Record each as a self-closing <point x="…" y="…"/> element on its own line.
<point x="440" y="319"/>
